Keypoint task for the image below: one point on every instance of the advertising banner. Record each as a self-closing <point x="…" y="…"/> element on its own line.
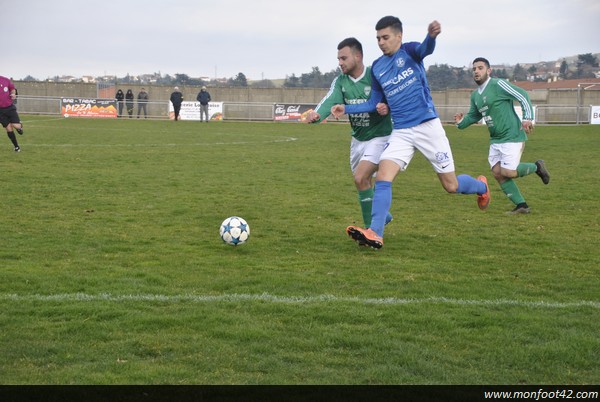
<point x="595" y="115"/>
<point x="291" y="112"/>
<point x="79" y="107"/>
<point x="191" y="111"/>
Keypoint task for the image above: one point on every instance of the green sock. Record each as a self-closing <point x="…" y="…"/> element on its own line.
<point x="365" y="198"/>
<point x="512" y="191"/>
<point x="525" y="169"/>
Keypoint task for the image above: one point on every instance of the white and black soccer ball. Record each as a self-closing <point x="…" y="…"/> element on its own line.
<point x="234" y="231"/>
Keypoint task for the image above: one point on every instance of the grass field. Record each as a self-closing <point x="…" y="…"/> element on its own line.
<point x="113" y="272"/>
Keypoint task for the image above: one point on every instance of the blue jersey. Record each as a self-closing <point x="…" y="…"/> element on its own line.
<point x="401" y="82"/>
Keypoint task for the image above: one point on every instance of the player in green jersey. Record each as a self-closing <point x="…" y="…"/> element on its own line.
<point x="493" y="102"/>
<point x="370" y="131"/>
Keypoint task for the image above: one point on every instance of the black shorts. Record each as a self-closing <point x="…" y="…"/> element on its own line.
<point x="9" y="115"/>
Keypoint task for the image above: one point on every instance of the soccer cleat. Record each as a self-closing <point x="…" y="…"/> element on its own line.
<point x="365" y="237"/>
<point x="542" y="171"/>
<point x="519" y="209"/>
<point x="17" y="149"/>
<point x="483" y="200"/>
<point x="20" y="131"/>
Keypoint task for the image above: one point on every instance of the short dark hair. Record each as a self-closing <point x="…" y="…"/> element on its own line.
<point x="389" y="21"/>
<point x="352" y="43"/>
<point x="483" y="60"/>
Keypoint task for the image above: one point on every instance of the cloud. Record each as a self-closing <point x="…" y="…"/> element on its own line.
<point x="272" y="39"/>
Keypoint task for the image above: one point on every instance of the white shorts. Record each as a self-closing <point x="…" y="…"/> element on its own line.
<point x="366" y="151"/>
<point x="429" y="138"/>
<point x="507" y="154"/>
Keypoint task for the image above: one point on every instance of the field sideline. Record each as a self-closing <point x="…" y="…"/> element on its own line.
<point x="112" y="270"/>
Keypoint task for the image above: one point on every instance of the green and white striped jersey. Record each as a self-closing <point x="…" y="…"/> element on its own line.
<point x="349" y="91"/>
<point x="494" y="103"/>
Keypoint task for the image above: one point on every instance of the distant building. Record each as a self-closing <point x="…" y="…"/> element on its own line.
<point x="556" y="84"/>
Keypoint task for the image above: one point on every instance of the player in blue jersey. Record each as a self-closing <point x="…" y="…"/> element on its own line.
<point x="370" y="131"/>
<point x="399" y="81"/>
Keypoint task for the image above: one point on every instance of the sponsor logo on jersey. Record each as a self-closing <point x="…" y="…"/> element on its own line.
<point x="400" y="77"/>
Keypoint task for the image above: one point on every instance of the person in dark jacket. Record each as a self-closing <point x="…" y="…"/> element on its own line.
<point x="129" y="98"/>
<point x="203" y="97"/>
<point x="120" y="97"/>
<point x="142" y="100"/>
<point x="176" y="100"/>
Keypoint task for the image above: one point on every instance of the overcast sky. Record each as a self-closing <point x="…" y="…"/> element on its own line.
<point x="273" y="39"/>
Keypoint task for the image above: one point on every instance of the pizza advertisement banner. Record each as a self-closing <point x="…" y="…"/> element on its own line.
<point x="90" y="107"/>
<point x="291" y="112"/>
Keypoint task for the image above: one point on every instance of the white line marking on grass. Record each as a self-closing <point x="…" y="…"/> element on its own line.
<point x="273" y="141"/>
<point x="269" y="298"/>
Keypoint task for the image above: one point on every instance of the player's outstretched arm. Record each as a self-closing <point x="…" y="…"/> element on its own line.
<point x="338" y="111"/>
<point x="434" y="29"/>
<point x="312" y="117"/>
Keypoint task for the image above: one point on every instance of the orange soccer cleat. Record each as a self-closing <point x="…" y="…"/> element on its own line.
<point x="483" y="200"/>
<point x="365" y="237"/>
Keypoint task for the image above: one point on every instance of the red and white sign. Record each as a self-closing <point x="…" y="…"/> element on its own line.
<point x="80" y="107"/>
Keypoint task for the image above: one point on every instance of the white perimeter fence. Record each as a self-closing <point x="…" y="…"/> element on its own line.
<point x="232" y="111"/>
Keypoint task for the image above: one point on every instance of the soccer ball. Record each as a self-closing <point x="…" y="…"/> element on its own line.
<point x="234" y="231"/>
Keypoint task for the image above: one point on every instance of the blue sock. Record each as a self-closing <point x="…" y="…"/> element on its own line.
<point x="469" y="185"/>
<point x="382" y="201"/>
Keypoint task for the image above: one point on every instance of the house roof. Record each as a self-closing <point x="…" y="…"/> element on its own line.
<point x="560" y="84"/>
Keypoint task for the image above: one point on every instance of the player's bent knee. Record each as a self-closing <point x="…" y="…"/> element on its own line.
<point x="362" y="182"/>
<point x="449" y="182"/>
<point x="451" y="188"/>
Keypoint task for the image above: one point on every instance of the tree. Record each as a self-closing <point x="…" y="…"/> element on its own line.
<point x="464" y="78"/>
<point x="330" y="76"/>
<point x="564" y="70"/>
<point x="291" y="81"/>
<point x="182" y="79"/>
<point x="585" y="65"/>
<point x="314" y="79"/>
<point x="440" y="77"/>
<point x="500" y="73"/>
<point x="128" y="79"/>
<point x="239" y="81"/>
<point x="519" y="73"/>
<point x="263" y="84"/>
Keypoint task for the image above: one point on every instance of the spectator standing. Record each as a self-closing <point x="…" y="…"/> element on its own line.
<point x="142" y="100"/>
<point x="204" y="98"/>
<point x="120" y="97"/>
<point x="129" y="102"/>
<point x="176" y="100"/>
